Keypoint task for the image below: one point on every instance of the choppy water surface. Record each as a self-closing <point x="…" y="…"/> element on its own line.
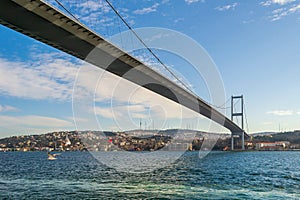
<point x="220" y="175"/>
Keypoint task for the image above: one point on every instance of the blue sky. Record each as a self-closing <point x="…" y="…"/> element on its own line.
<point x="254" y="44"/>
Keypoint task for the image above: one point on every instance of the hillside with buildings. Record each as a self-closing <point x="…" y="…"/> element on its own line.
<point x="143" y="140"/>
<point x="136" y="140"/>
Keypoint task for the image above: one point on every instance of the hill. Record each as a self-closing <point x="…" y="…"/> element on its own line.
<point x="292" y="137"/>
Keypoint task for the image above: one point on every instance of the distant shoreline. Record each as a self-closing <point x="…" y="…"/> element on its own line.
<point x="145" y="140"/>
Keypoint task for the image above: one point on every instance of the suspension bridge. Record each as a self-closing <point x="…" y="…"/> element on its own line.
<point x="43" y="22"/>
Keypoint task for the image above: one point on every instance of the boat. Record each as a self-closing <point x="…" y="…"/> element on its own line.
<point x="52" y="156"/>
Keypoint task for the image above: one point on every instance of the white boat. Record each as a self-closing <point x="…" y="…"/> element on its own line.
<point x="52" y="156"/>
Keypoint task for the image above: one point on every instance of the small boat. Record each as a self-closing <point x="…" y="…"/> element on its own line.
<point x="52" y="156"/>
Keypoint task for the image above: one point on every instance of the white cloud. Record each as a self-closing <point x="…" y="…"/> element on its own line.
<point x="265" y="3"/>
<point x="45" y="78"/>
<point x="283" y="2"/>
<point x="178" y="20"/>
<point x="286" y="8"/>
<point x="89" y="6"/>
<point x="49" y="76"/>
<point x="294" y="8"/>
<point x="7" y="108"/>
<point x="248" y="21"/>
<point x="267" y="123"/>
<point x="281" y="112"/>
<point x="227" y="7"/>
<point x="146" y="10"/>
<point x="283" y="12"/>
<point x="193" y="1"/>
<point x="33" y="121"/>
<point x="106" y="112"/>
<point x="96" y="14"/>
<point x="280" y="2"/>
<point x="136" y="111"/>
<point x="78" y="119"/>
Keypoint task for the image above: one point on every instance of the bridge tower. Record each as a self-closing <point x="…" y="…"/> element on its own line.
<point x="236" y="115"/>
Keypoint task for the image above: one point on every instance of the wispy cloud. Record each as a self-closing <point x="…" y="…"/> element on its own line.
<point x="88" y="6"/>
<point x="46" y="78"/>
<point x="147" y="10"/>
<point x="281" y="112"/>
<point x="97" y="15"/>
<point x="77" y="119"/>
<point x="33" y="121"/>
<point x="227" y="7"/>
<point x="283" y="12"/>
<point x="283" y="8"/>
<point x="135" y="111"/>
<point x="248" y="21"/>
<point x="280" y="2"/>
<point x="267" y="123"/>
<point x="178" y="20"/>
<point x="193" y="1"/>
<point x="7" y="108"/>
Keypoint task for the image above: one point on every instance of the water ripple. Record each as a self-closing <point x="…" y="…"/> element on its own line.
<point x="220" y="175"/>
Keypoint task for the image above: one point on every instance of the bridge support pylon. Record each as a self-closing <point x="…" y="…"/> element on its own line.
<point x="243" y="140"/>
<point x="232" y="142"/>
<point x="236" y="114"/>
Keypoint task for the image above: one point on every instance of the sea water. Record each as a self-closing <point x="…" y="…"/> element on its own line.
<point x="219" y="175"/>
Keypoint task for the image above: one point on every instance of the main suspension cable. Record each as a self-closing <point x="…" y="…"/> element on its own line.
<point x="146" y="46"/>
<point x="67" y="10"/>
